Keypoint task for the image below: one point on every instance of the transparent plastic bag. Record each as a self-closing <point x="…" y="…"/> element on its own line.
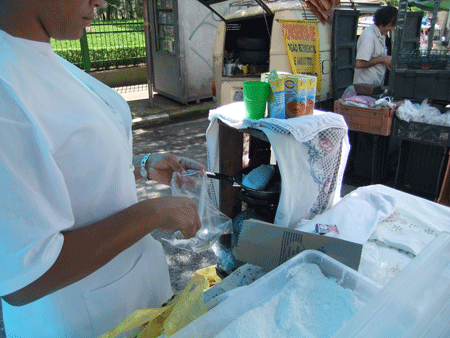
<point x="214" y="222"/>
<point x="348" y="92"/>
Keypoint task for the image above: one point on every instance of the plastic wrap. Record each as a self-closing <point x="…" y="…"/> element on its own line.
<point x="214" y="222"/>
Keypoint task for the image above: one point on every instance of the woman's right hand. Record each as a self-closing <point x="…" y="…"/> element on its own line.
<point x="174" y="213"/>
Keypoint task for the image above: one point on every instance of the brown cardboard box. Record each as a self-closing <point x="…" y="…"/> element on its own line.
<point x="267" y="245"/>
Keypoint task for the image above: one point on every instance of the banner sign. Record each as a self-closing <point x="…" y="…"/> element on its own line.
<point x="303" y="47"/>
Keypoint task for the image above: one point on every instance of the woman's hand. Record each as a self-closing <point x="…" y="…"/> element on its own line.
<point x="173" y="213"/>
<point x="161" y="167"/>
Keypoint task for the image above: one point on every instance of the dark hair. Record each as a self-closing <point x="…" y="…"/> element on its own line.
<point x="386" y="15"/>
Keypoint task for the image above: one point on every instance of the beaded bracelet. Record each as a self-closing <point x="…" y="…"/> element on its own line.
<point x="144" y="172"/>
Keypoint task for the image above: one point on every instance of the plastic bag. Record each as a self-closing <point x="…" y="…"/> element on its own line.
<point x="349" y="92"/>
<point x="214" y="222"/>
<point x="424" y="113"/>
<point x="384" y="102"/>
<point x="186" y="306"/>
<point x="442" y="120"/>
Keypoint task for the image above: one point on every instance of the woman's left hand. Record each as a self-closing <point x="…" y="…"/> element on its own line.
<point x="161" y="167"/>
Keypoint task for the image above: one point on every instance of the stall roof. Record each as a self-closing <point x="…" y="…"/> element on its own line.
<point x="429" y="5"/>
<point x="236" y="9"/>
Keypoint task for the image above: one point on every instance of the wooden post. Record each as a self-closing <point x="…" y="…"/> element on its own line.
<point x="230" y="155"/>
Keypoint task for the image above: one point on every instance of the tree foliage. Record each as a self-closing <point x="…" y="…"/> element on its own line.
<point x="120" y="9"/>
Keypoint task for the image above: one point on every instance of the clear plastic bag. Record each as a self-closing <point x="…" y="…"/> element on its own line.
<point x="214" y="222"/>
<point x="349" y="92"/>
<point x="424" y="113"/>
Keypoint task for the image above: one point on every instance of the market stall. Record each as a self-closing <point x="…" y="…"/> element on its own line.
<point x="400" y="243"/>
<point x="306" y="261"/>
<point x="412" y="226"/>
<point x="407" y="243"/>
<point x="411" y="153"/>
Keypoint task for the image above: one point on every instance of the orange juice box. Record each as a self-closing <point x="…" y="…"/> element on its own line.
<point x="310" y="93"/>
<point x="295" y="95"/>
<point x="276" y="103"/>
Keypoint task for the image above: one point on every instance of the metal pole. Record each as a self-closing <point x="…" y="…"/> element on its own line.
<point x="86" y="59"/>
<point x="147" y="11"/>
<point x="433" y="23"/>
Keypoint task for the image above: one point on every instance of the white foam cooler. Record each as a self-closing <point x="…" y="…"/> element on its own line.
<point x="260" y="291"/>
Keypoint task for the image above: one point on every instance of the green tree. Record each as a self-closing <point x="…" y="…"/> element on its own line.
<point x="120" y="9"/>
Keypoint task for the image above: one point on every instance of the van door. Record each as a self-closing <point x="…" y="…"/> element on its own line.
<point x="345" y="25"/>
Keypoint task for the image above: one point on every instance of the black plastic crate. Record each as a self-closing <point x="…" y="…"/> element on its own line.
<point x="422" y="132"/>
<point x="367" y="159"/>
<point x="421" y="169"/>
<point x="418" y="84"/>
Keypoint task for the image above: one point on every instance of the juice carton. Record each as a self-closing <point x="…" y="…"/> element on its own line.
<point x="295" y="95"/>
<point x="310" y="93"/>
<point x="276" y="106"/>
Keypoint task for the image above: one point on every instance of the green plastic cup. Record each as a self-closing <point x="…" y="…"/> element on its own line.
<point x="255" y="99"/>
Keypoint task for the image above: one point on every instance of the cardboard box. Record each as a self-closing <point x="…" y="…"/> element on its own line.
<point x="276" y="99"/>
<point x="310" y="93"/>
<point x="298" y="88"/>
<point x="267" y="245"/>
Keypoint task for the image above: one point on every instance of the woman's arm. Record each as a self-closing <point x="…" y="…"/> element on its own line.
<point x="87" y="249"/>
<point x="374" y="61"/>
<point x="160" y="167"/>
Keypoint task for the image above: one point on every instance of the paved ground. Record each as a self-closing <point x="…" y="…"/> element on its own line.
<point x="186" y="138"/>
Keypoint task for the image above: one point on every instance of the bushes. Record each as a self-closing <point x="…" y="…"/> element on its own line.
<point x="110" y="44"/>
<point x="105" y="58"/>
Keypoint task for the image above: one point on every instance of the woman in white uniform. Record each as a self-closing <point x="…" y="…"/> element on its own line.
<point x="76" y="254"/>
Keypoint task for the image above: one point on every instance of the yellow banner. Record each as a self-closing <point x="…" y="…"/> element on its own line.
<point x="303" y="47"/>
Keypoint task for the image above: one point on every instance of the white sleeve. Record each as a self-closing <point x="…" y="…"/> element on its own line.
<point x="34" y="201"/>
<point x="365" y="47"/>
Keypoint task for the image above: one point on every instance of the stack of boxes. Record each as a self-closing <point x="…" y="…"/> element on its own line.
<point x="290" y="95"/>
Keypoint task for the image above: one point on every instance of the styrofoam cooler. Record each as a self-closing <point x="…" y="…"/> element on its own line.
<point x="260" y="291"/>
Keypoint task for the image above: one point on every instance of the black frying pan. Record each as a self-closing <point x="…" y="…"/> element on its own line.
<point x="271" y="192"/>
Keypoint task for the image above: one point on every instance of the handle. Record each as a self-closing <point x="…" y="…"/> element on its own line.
<point x="224" y="178"/>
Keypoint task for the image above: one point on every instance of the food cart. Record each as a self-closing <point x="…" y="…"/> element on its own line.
<point x="250" y="34"/>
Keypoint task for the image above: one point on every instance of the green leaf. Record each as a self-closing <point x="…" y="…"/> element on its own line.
<point x="113" y="2"/>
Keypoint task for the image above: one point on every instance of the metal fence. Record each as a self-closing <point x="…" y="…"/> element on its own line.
<point x="105" y="45"/>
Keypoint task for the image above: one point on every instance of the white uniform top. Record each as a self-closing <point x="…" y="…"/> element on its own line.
<point x="65" y="162"/>
<point x="370" y="44"/>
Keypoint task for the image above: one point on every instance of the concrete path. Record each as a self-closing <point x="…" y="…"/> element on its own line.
<point x="163" y="111"/>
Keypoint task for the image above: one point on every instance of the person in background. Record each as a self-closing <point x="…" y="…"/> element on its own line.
<point x="371" y="52"/>
<point x="76" y="253"/>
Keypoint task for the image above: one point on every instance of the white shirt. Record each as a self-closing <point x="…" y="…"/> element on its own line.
<point x="370" y="44"/>
<point x="65" y="162"/>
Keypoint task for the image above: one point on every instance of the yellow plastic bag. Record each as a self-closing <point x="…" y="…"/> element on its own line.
<point x="186" y="306"/>
<point x="210" y="273"/>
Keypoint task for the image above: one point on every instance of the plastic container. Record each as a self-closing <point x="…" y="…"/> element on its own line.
<point x="367" y="160"/>
<point x="260" y="291"/>
<point x="255" y="99"/>
<point x="422" y="132"/>
<point x="416" y="303"/>
<point x="421" y="168"/>
<point x="422" y="84"/>
<point x="376" y="121"/>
